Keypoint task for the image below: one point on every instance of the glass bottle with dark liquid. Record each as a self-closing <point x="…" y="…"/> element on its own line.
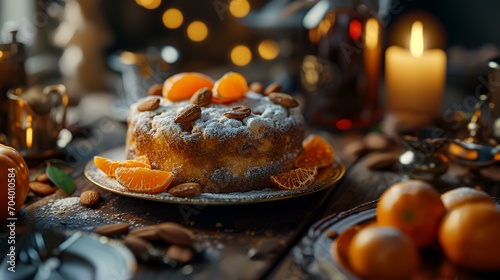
<point x="341" y="67"/>
<point x="12" y="74"/>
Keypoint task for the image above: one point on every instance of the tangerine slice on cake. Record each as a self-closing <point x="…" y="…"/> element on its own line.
<point x="230" y="87"/>
<point x="182" y="86"/>
<point x="316" y="152"/>
<point x="109" y="166"/>
<point x="143" y="180"/>
<point x="295" y="179"/>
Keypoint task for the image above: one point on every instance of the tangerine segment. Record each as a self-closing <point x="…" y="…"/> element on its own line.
<point x="109" y="166"/>
<point x="316" y="152"/>
<point x="295" y="179"/>
<point x="230" y="87"/>
<point x="183" y="85"/>
<point x="143" y="159"/>
<point x="143" y="180"/>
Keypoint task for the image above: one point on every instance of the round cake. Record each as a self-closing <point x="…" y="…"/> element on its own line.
<point x="232" y="147"/>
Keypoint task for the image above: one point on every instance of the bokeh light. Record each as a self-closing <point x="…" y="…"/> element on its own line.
<point x="172" y="18"/>
<point x="241" y="55"/>
<point x="169" y="54"/>
<point x="149" y="4"/>
<point x="268" y="49"/>
<point x="239" y="8"/>
<point x="197" y="31"/>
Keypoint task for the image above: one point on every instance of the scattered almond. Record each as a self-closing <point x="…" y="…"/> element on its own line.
<point x="188" y="114"/>
<point x="283" y="99"/>
<point x="140" y="248"/>
<point x="113" y="229"/>
<point x="180" y="254"/>
<point x="156" y="90"/>
<point x="149" y="104"/>
<point x="186" y="190"/>
<point x="90" y="198"/>
<point x="273" y="87"/>
<point x="257" y="87"/>
<point x="376" y="141"/>
<point x="43" y="178"/>
<point x="41" y="189"/>
<point x="202" y="97"/>
<point x="176" y="234"/>
<point x="355" y="148"/>
<point x="377" y="161"/>
<point x="238" y="112"/>
<point x="150" y="233"/>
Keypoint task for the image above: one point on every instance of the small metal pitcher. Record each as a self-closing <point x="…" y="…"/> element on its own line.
<point x="36" y="116"/>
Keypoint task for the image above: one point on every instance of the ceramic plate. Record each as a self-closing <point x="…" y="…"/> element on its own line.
<point x="327" y="177"/>
<point x="314" y="252"/>
<point x="91" y="256"/>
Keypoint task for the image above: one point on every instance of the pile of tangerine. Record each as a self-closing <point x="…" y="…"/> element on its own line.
<point x="412" y="221"/>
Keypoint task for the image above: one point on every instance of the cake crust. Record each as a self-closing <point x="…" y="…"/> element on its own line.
<point x="222" y="154"/>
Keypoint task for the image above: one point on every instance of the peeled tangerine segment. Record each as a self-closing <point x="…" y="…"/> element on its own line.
<point x="109" y="166"/>
<point x="183" y="85"/>
<point x="316" y="152"/>
<point x="143" y="180"/>
<point x="295" y="179"/>
<point x="230" y="87"/>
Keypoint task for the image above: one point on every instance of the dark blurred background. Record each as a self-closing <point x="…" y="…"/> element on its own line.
<point x="469" y="32"/>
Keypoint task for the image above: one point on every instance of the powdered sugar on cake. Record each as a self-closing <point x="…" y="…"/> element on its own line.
<point x="223" y="154"/>
<point x="212" y="123"/>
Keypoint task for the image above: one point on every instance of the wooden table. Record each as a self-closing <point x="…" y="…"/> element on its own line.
<point x="226" y="233"/>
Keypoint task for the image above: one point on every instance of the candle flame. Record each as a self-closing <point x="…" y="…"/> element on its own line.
<point x="417" y="39"/>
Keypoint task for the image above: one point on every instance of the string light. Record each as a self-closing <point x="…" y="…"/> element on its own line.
<point x="239" y="8"/>
<point x="149" y="4"/>
<point x="268" y="49"/>
<point x="172" y="18"/>
<point x="197" y="31"/>
<point x="169" y="54"/>
<point x="241" y="55"/>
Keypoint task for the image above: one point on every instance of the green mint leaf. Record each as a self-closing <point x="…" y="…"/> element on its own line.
<point x="60" y="179"/>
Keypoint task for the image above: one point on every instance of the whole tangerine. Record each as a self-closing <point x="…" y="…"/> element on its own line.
<point x="230" y="87"/>
<point x="14" y="184"/>
<point x="463" y="195"/>
<point x="182" y="86"/>
<point x="469" y="236"/>
<point x="380" y="252"/>
<point x="414" y="207"/>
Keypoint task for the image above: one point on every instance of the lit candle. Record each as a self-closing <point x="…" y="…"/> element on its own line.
<point x="415" y="78"/>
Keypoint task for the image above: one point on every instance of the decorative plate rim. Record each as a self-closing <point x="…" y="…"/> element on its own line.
<point x="98" y="177"/>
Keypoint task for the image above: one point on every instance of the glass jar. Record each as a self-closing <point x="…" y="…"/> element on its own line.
<point x="341" y="67"/>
